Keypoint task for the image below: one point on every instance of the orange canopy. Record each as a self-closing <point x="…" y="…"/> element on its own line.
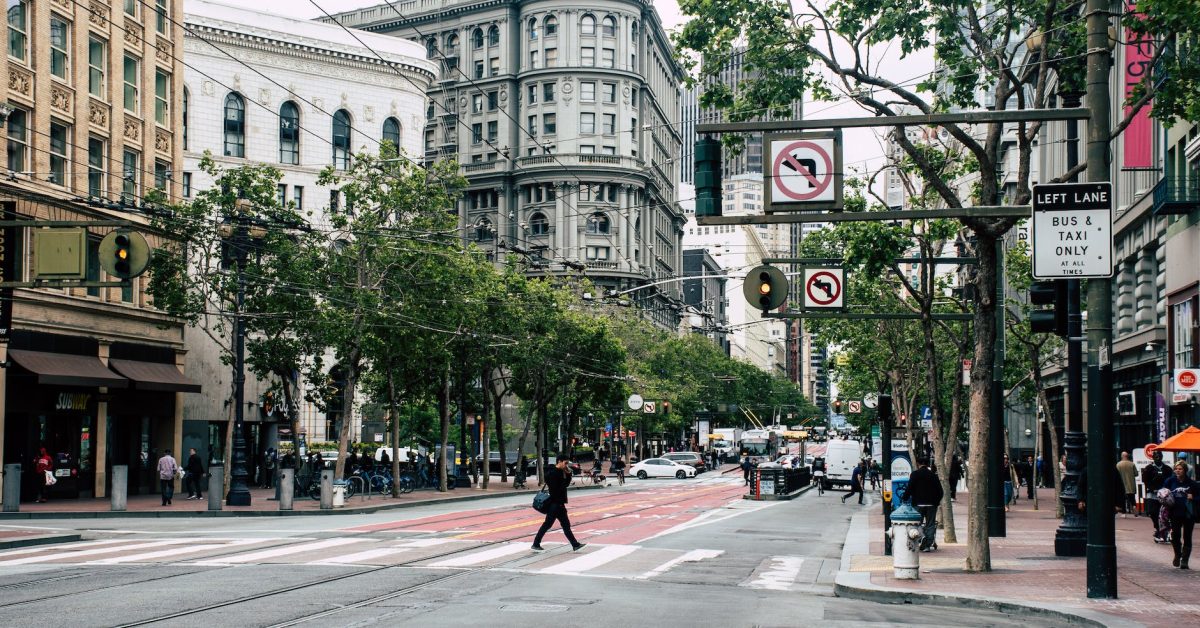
<point x="1187" y="440"/>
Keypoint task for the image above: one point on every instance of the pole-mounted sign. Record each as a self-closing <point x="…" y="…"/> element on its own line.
<point x="824" y="288"/>
<point x="1072" y="230"/>
<point x="804" y="171"/>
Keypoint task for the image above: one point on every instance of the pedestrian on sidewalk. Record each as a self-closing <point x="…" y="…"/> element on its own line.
<point x="43" y="465"/>
<point x="167" y="469"/>
<point x="195" y="471"/>
<point x="956" y="476"/>
<point x="925" y="493"/>
<point x="1128" y="474"/>
<point x="272" y="462"/>
<point x="1183" y="490"/>
<point x="856" y="483"/>
<point x="557" y="480"/>
<point x="1153" y="476"/>
<point x="746" y="467"/>
<point x="1030" y="480"/>
<point x="1006" y="472"/>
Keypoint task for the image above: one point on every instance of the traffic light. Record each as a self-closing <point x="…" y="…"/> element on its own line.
<point x="666" y="406"/>
<point x="765" y="287"/>
<point x="124" y="254"/>
<point x="708" y="177"/>
<point x="1043" y="321"/>
<point x="837" y="405"/>
<point x="121" y="254"/>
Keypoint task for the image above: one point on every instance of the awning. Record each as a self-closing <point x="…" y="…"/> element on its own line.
<point x="154" y="376"/>
<point x="63" y="369"/>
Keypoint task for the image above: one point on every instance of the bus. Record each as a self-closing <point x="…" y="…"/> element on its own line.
<point x="760" y="445"/>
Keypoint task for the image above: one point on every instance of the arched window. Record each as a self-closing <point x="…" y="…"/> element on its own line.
<point x="533" y="28"/>
<point x="477" y="38"/>
<point x="550" y="26"/>
<point x="341" y="139"/>
<point x="391" y="132"/>
<point x="493" y="36"/>
<point x="235" y="125"/>
<point x="430" y="48"/>
<point x="452" y="45"/>
<point x="483" y="229"/>
<point x="633" y="32"/>
<point x="597" y="223"/>
<point x="588" y="25"/>
<point x="608" y="27"/>
<point x="289" y="134"/>
<point x="538" y="225"/>
<point x="186" y="97"/>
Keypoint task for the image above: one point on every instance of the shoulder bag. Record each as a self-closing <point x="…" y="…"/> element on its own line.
<point x="541" y="501"/>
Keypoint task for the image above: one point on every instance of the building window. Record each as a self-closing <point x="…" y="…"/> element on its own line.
<point x="335" y="197"/>
<point x="549" y="123"/>
<point x="162" y="96"/>
<point x="588" y="57"/>
<point x="610" y="93"/>
<point x="477" y="38"/>
<point x="532" y="125"/>
<point x="597" y="253"/>
<point x="289" y="133"/>
<point x="493" y="131"/>
<point x="479" y="69"/>
<point x="18" y="140"/>
<point x="430" y="48"/>
<point x="548" y="92"/>
<point x="59" y="141"/>
<point x="494" y="69"/>
<point x="160" y="16"/>
<point x="538" y="225"/>
<point x="477" y="133"/>
<point x="608" y="27"/>
<point x="483" y="230"/>
<point x="533" y="28"/>
<point x="132" y="82"/>
<point x="493" y="36"/>
<point x="587" y="123"/>
<point x="18" y="29"/>
<point x="185" y="117"/>
<point x="97" y="66"/>
<point x="552" y="57"/>
<point x="96" y="163"/>
<point x="1183" y="316"/>
<point x="131" y="7"/>
<point x="533" y="60"/>
<point x="298" y="196"/>
<point x="92" y="267"/>
<point x="608" y="150"/>
<point x="162" y="174"/>
<point x="281" y="194"/>
<point x="187" y="185"/>
<point x="341" y="139"/>
<point x="587" y="26"/>
<point x="587" y="149"/>
<point x="587" y="91"/>
<point x="533" y="94"/>
<point x="452" y="45"/>
<point x="391" y="133"/>
<point x="551" y="26"/>
<point x="131" y="174"/>
<point x="429" y="137"/>
<point x="609" y="126"/>
<point x="60" y="46"/>
<point x="608" y="58"/>
<point x="477" y="103"/>
<point x="235" y="125"/>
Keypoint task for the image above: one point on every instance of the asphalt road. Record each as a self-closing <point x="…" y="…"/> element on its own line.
<point x="660" y="553"/>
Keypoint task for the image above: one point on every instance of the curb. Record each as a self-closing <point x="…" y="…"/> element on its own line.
<point x="42" y="539"/>
<point x="179" y="514"/>
<point x="779" y="498"/>
<point x="858" y="586"/>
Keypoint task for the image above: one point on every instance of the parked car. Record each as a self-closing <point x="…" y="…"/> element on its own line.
<point x="688" y="457"/>
<point x="662" y="468"/>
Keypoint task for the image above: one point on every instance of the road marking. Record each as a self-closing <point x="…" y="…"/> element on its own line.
<point x="712" y="516"/>
<point x="591" y="560"/>
<point x="360" y="556"/>
<point x="56" y="547"/>
<point x="507" y="549"/>
<point x="690" y="557"/>
<point x="146" y="556"/>
<point x="424" y="542"/>
<point x="70" y="554"/>
<point x="780" y="575"/>
<point x="276" y="552"/>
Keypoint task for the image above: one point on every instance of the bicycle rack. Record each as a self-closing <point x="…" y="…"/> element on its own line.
<point x="365" y="487"/>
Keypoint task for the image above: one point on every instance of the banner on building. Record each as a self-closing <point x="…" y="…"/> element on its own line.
<point x="8" y="270"/>
<point x="1138" y="136"/>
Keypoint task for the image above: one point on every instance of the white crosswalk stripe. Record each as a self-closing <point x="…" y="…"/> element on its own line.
<point x="47" y="557"/>
<point x="777" y="573"/>
<point x="264" y="556"/>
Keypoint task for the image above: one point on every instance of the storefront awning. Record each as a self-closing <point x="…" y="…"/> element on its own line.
<point x="63" y="369"/>
<point x="154" y="376"/>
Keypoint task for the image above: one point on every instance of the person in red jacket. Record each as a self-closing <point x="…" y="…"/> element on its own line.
<point x="44" y="464"/>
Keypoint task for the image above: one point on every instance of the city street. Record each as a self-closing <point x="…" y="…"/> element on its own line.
<point x="663" y="552"/>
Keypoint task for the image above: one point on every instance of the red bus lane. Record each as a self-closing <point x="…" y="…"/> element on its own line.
<point x="596" y="516"/>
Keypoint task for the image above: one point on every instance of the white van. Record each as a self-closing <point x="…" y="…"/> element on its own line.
<point x="841" y="456"/>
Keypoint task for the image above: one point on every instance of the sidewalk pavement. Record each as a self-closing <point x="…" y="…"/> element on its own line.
<point x="1026" y="576"/>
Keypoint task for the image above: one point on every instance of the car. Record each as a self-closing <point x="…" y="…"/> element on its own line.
<point x="510" y="461"/>
<point x="688" y="457"/>
<point x="662" y="468"/>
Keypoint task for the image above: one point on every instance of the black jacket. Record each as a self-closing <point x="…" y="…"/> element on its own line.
<point x="1153" y="476"/>
<point x="924" y="489"/>
<point x="557" y="481"/>
<point x="194" y="466"/>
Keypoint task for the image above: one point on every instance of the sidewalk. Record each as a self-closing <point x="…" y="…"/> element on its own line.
<point x="260" y="505"/>
<point x="1027" y="577"/>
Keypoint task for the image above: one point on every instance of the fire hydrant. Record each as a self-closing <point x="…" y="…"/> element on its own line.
<point x="906" y="536"/>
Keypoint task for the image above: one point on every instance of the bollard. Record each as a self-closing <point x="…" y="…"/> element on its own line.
<point x="287" y="488"/>
<point x="216" y="486"/>
<point x="906" y="536"/>
<point x="326" y="489"/>
<point x="120" y="487"/>
<point x="12" y="488"/>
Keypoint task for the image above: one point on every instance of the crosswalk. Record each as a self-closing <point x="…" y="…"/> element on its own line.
<point x="631" y="562"/>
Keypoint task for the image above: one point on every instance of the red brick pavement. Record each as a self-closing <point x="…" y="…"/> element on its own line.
<point x="1025" y="569"/>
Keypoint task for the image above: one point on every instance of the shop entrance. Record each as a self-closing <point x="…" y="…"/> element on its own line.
<point x="63" y="423"/>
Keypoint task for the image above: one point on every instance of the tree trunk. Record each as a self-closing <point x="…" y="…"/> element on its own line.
<point x="540" y="441"/>
<point x="497" y="408"/>
<point x="443" y="403"/>
<point x="979" y="557"/>
<point x="483" y="435"/>
<point x="1052" y="459"/>
<point x="391" y="381"/>
<point x="352" y="367"/>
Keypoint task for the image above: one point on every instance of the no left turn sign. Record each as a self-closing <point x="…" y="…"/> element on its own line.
<point x="804" y="171"/>
<point x="823" y="288"/>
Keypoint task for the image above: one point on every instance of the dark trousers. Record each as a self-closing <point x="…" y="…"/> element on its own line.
<point x="1029" y="488"/>
<point x="1182" y="549"/>
<point x="928" y="525"/>
<point x="1152" y="508"/>
<point x="1130" y="504"/>
<point x="557" y="512"/>
<point x="192" y="484"/>
<point x="854" y="488"/>
<point x="168" y="490"/>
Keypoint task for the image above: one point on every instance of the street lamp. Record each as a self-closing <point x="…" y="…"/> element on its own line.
<point x="240" y="235"/>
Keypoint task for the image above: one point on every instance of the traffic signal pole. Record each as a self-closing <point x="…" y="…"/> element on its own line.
<point x="1101" y="537"/>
